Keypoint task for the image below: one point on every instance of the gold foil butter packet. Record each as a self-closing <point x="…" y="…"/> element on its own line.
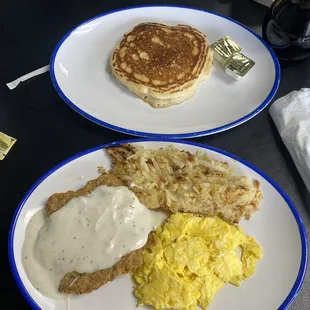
<point x="6" y="143"/>
<point x="238" y="66"/>
<point x="224" y="49"/>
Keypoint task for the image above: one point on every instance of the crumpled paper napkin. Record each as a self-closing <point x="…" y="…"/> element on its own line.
<point x="291" y="115"/>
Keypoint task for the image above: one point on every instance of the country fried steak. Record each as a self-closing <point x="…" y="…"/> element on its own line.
<point x="76" y="283"/>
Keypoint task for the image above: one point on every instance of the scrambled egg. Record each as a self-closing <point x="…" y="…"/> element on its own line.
<point x="192" y="258"/>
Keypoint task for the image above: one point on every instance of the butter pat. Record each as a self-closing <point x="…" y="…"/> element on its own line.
<point x="6" y="143"/>
<point x="224" y="49"/>
<point x="238" y="66"/>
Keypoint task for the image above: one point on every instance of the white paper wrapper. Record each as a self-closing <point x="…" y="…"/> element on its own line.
<point x="13" y="84"/>
<point x="291" y="115"/>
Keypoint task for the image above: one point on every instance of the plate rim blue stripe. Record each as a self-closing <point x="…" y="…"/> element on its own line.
<point x="303" y="236"/>
<point x="107" y="125"/>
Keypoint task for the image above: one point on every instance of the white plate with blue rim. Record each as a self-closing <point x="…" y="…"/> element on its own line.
<point x="78" y="72"/>
<point x="277" y="226"/>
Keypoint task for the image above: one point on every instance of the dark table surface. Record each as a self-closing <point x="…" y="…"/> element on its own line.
<point x="48" y="131"/>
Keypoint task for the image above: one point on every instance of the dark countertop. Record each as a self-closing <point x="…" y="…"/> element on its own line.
<point x="48" y="131"/>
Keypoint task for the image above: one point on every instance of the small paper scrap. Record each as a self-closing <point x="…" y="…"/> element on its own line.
<point x="6" y="143"/>
<point x="27" y="76"/>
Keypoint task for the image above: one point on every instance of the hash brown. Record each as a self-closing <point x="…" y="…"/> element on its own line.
<point x="179" y="181"/>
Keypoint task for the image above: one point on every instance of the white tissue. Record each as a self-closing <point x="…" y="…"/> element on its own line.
<point x="291" y="115"/>
<point x="27" y="76"/>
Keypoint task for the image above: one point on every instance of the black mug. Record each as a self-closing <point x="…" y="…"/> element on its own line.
<point x="286" y="28"/>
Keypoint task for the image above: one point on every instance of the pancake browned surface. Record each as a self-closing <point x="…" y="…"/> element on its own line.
<point x="179" y="181"/>
<point x="76" y="283"/>
<point x="162" y="64"/>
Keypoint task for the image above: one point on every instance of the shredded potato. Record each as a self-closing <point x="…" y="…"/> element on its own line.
<point x="177" y="180"/>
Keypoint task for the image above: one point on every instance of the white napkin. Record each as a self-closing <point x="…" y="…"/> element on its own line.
<point x="291" y="115"/>
<point x="13" y="84"/>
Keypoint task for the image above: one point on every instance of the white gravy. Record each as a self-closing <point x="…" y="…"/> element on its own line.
<point x="87" y="234"/>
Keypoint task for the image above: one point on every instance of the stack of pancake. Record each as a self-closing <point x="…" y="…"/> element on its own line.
<point x="162" y="64"/>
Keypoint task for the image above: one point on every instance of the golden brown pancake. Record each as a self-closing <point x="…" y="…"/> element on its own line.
<point x="162" y="64"/>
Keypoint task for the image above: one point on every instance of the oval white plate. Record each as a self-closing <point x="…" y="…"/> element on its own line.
<point x="277" y="227"/>
<point x="78" y="72"/>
